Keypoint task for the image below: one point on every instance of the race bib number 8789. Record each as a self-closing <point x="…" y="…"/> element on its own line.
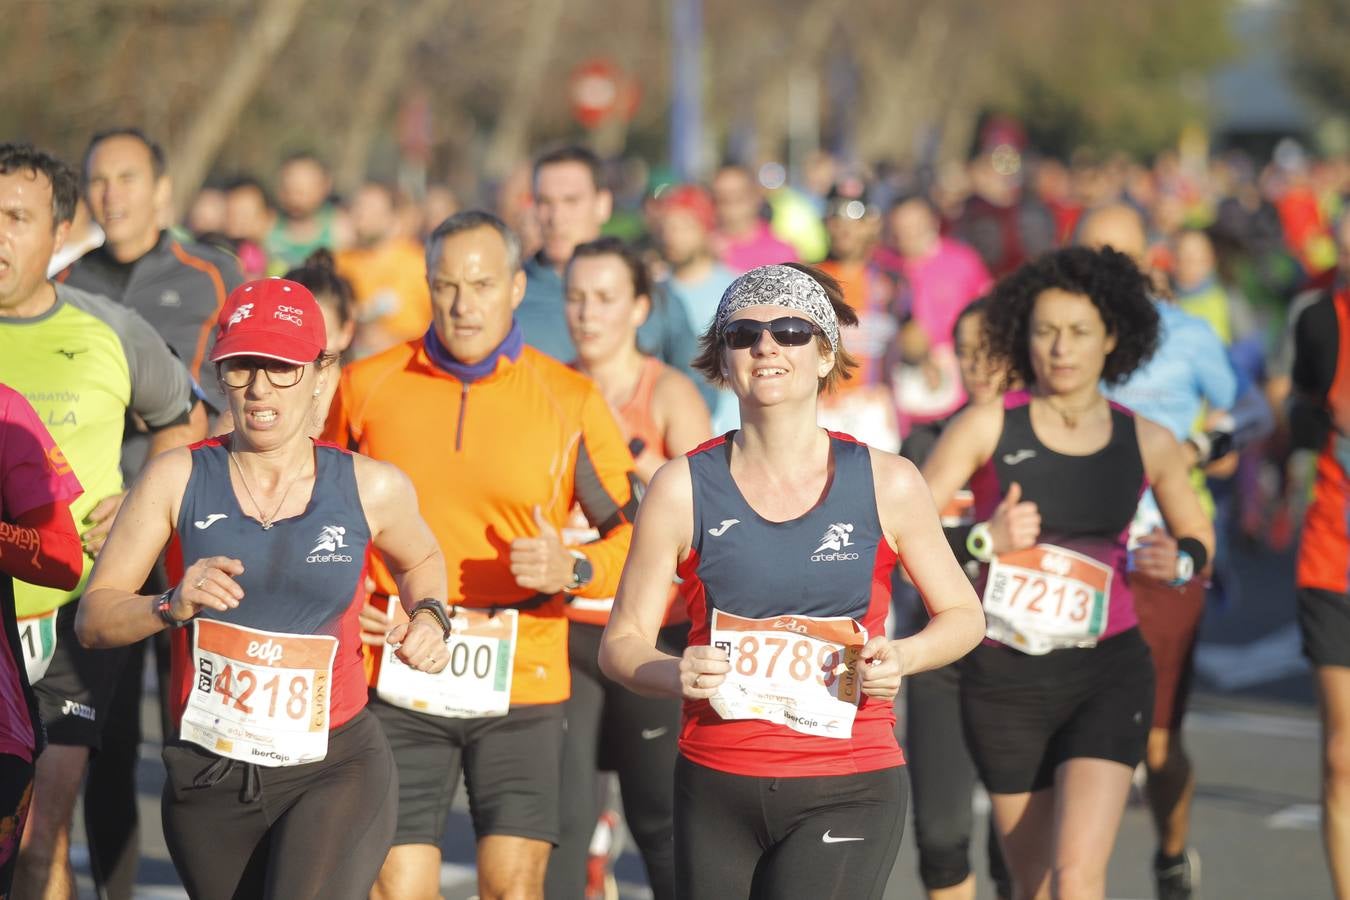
<point x="797" y="671"/>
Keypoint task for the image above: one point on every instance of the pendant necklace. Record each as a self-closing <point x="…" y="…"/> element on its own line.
<point x="266" y="520"/>
<point x="1071" y="416"/>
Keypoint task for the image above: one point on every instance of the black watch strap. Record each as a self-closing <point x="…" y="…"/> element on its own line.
<point x="164" y="609"/>
<point x="583" y="572"/>
<point x="437" y="609"/>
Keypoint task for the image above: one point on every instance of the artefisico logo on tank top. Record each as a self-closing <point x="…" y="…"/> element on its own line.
<point x="329" y="542"/>
<point x="835" y="540"/>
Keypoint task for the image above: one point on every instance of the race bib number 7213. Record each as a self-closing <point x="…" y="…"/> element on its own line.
<point x="1045" y="598"/>
<point x="797" y="671"/>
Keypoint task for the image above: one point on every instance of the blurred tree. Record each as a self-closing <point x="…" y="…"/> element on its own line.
<point x="1317" y="35"/>
<point x="273" y="24"/>
<point x="1113" y="75"/>
<point x="223" y="92"/>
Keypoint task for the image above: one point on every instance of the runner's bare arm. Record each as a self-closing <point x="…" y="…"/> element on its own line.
<point x="603" y="485"/>
<point x="684" y="415"/>
<point x="113" y="612"/>
<point x="910" y="520"/>
<point x="406" y="543"/>
<point x="1168" y="475"/>
<point x="661" y="539"/>
<point x="965" y="445"/>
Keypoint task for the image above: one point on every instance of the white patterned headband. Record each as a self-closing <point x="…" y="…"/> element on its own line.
<point x="780" y="286"/>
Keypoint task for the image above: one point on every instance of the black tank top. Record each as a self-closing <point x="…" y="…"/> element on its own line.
<point x="1086" y="502"/>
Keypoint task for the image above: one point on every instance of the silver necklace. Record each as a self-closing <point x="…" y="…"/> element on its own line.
<point x="266" y="520"/>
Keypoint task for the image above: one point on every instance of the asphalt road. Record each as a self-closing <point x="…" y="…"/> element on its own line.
<point x="1252" y="731"/>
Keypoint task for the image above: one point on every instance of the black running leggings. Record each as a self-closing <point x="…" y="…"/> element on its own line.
<point x="610" y="728"/>
<point x="942" y="777"/>
<point x="317" y="830"/>
<point x="833" y="836"/>
<point x="16" y="794"/>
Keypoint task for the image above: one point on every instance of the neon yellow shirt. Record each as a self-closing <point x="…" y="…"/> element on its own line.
<point x="83" y="365"/>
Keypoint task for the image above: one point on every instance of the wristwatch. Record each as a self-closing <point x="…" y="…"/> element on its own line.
<point x="1185" y="569"/>
<point x="980" y="543"/>
<point x="164" y="609"/>
<point x="582" y="571"/>
<point x="437" y="610"/>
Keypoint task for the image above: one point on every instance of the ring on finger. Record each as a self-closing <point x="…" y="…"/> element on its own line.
<point x="200" y="581"/>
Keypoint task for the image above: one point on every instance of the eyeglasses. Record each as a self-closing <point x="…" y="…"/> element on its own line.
<point x="240" y="372"/>
<point x="787" y="331"/>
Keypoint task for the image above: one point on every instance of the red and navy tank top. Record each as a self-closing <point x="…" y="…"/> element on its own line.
<point x="304" y="575"/>
<point x="832" y="561"/>
<point x="1086" y="502"/>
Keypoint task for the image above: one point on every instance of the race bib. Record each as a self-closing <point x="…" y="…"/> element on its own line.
<point x="960" y="510"/>
<point x="477" y="681"/>
<point x="1045" y="598"/>
<point x="260" y="696"/>
<point x="37" y="637"/>
<point x="793" y="670"/>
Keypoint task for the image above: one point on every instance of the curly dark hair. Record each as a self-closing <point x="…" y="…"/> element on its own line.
<point x="1108" y="278"/>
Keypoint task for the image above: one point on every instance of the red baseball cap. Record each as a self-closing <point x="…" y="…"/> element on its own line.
<point x="691" y="199"/>
<point x="273" y="318"/>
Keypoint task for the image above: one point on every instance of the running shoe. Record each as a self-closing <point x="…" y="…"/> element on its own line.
<point x="1178" y="880"/>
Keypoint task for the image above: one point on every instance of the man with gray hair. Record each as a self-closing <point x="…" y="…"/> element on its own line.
<point x="501" y="442"/>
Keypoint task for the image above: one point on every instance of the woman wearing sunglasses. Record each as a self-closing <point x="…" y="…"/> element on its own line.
<point x="789" y="780"/>
<point x="268" y="689"/>
<point x="1057" y="703"/>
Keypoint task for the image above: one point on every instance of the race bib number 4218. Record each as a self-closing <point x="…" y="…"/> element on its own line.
<point x="797" y="671"/>
<point x="260" y="696"/>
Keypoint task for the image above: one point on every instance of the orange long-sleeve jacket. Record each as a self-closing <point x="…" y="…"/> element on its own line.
<point x="482" y="455"/>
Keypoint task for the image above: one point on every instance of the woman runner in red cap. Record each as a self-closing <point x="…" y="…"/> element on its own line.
<point x="268" y="690"/>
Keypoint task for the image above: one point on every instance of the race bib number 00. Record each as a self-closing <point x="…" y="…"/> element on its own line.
<point x="37" y="637"/>
<point x="1046" y="598"/>
<point x="797" y="671"/>
<point x="259" y="696"/>
<point x="477" y="681"/>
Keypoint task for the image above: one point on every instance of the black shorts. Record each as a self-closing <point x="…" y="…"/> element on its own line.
<point x="512" y="767"/>
<point x="74" y="695"/>
<point x="832" y="836"/>
<point x="1024" y="715"/>
<point x="1324" y="619"/>
<point x="320" y="829"/>
<point x="16" y="793"/>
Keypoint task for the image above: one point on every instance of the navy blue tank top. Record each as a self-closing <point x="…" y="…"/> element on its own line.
<point x="832" y="561"/>
<point x="304" y="575"/>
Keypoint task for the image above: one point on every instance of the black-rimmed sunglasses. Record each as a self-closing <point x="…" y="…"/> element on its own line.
<point x="787" y="331"/>
<point x="240" y="371"/>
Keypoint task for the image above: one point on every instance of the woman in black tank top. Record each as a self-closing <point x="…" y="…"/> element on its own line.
<point x="789" y="793"/>
<point x="1056" y="703"/>
<point x="268" y="687"/>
